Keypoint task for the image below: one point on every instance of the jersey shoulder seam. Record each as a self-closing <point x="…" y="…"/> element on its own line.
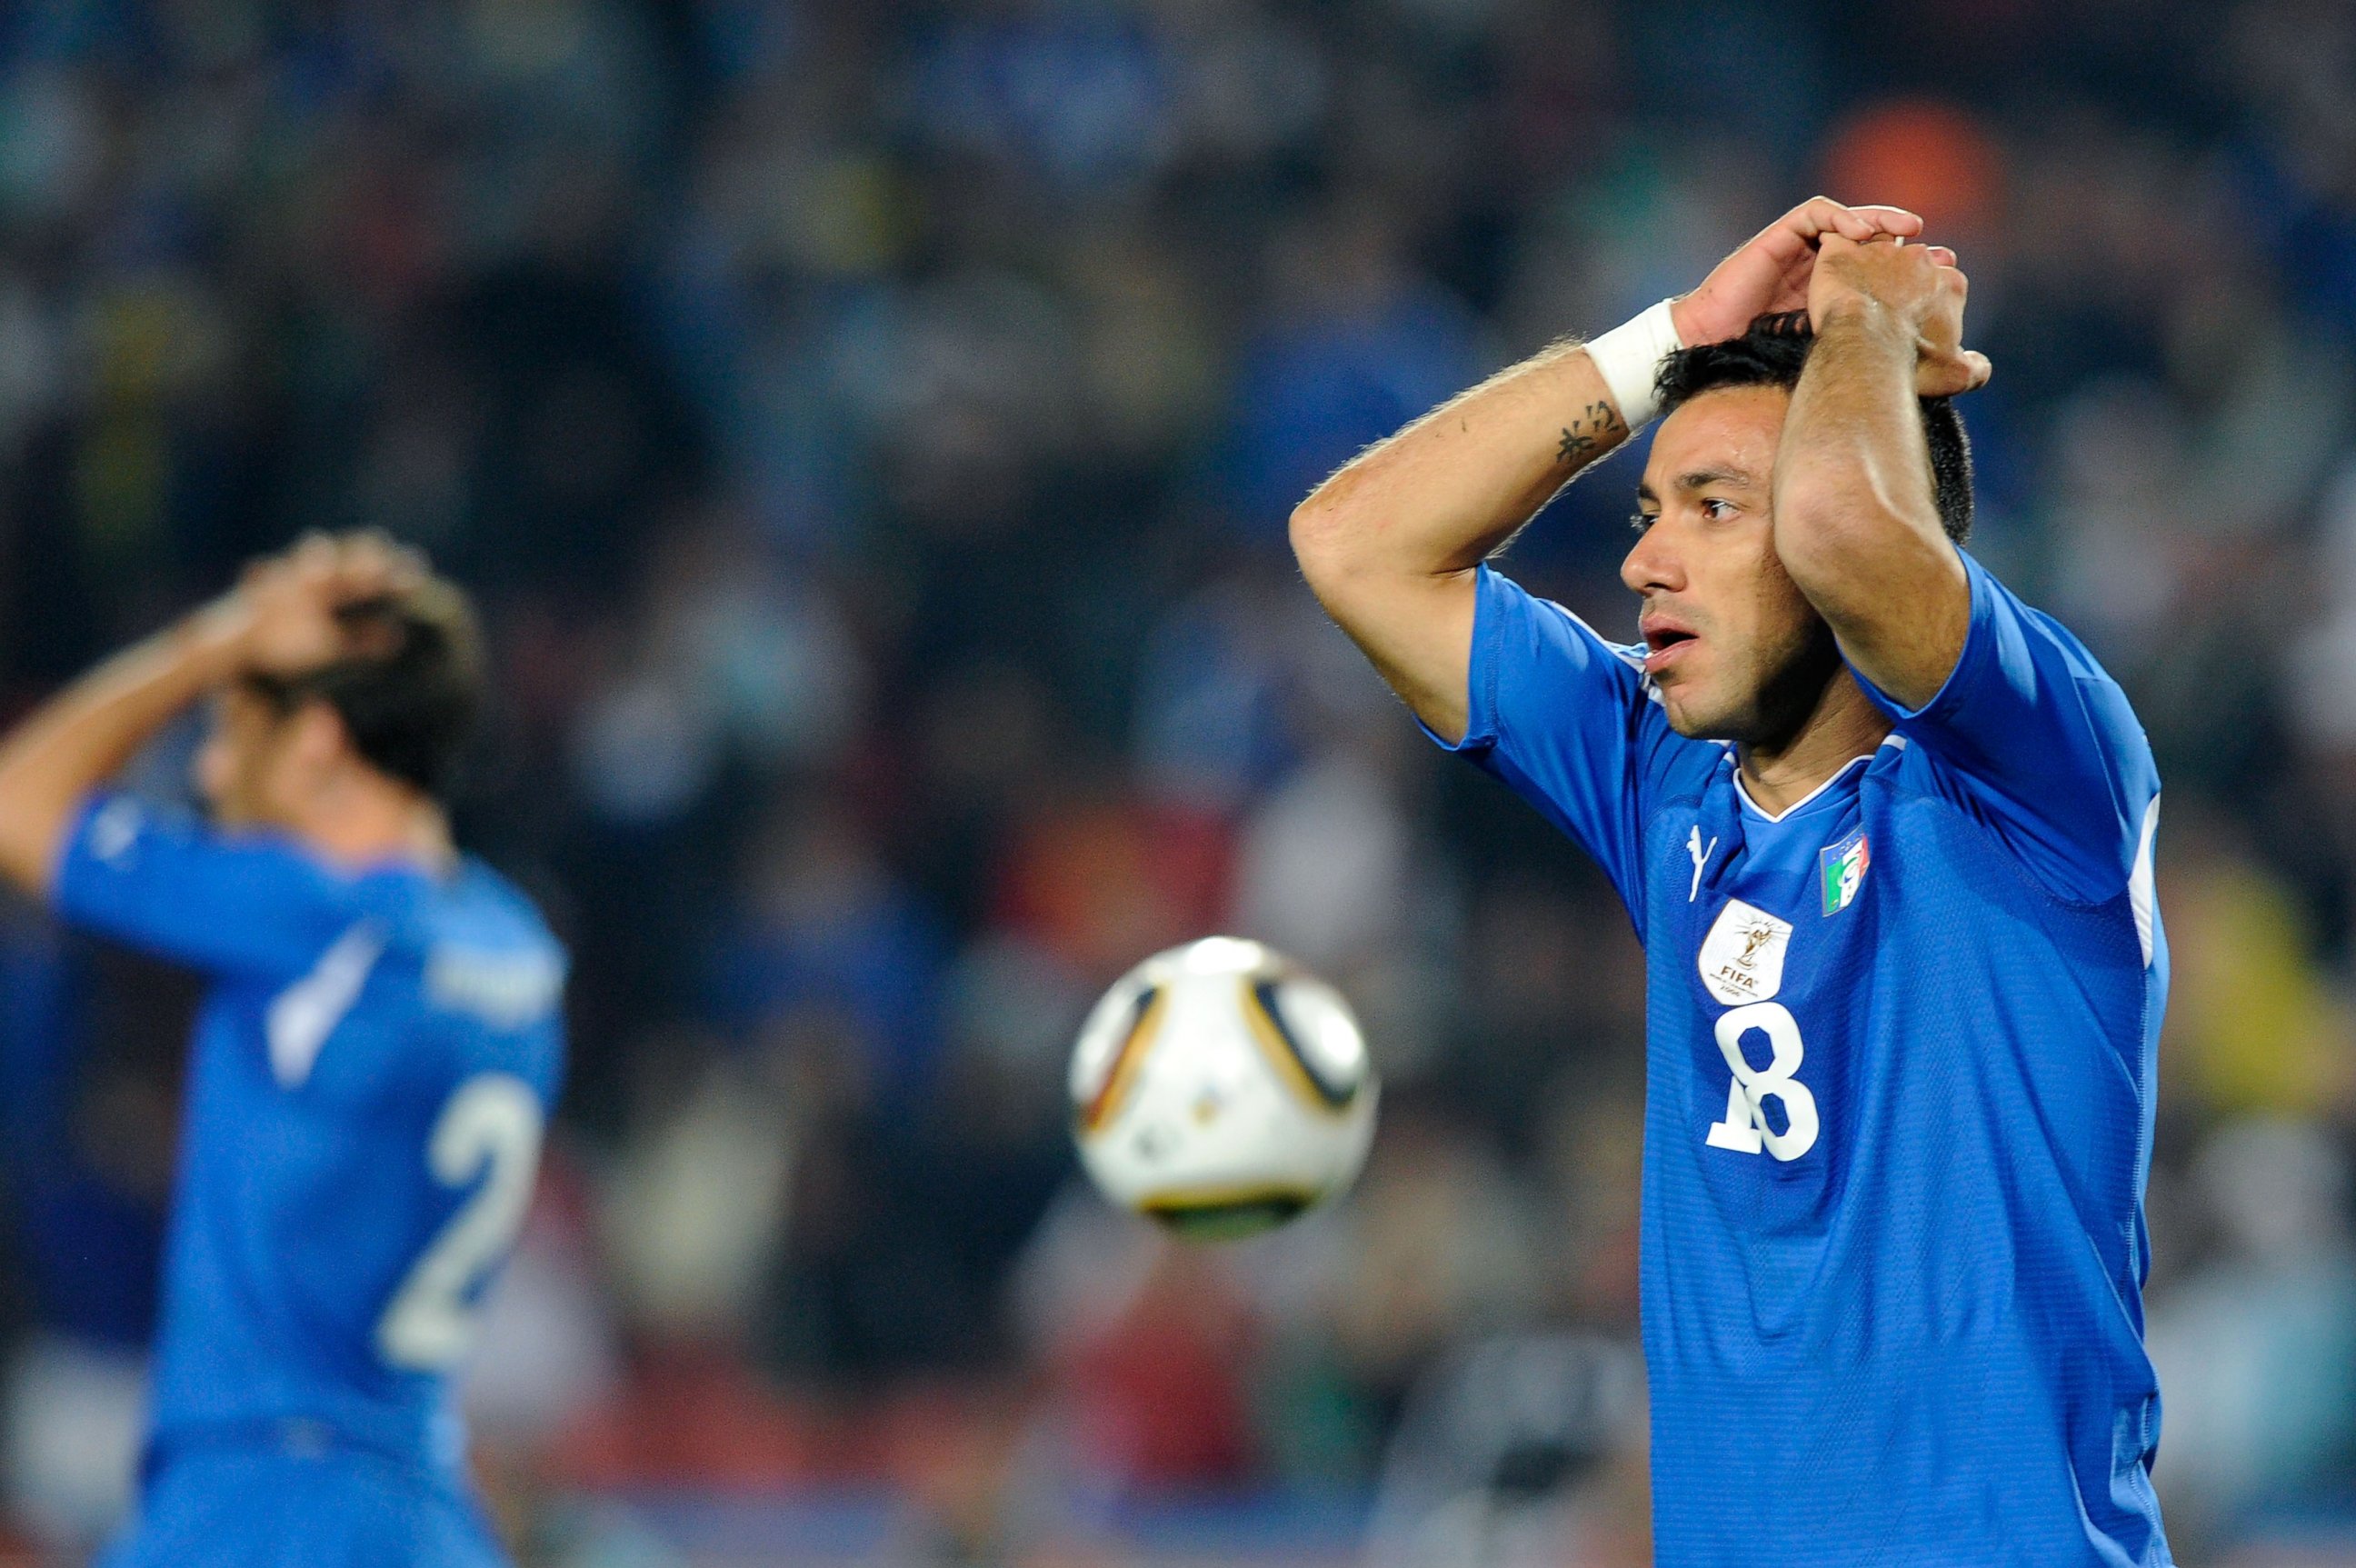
<point x="2005" y="851"/>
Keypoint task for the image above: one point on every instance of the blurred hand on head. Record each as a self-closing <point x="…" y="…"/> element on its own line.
<point x="284" y="612"/>
<point x="1771" y="273"/>
<point x="1918" y="286"/>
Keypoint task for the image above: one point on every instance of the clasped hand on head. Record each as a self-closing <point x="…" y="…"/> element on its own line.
<point x="1823" y="257"/>
<point x="283" y="616"/>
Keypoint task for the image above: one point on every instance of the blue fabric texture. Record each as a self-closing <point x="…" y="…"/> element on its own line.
<point x="240" y="1506"/>
<point x="1899" y="1098"/>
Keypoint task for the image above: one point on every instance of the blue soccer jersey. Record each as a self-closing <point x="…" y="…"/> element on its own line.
<point x="370" y="1075"/>
<point x="1899" y="1098"/>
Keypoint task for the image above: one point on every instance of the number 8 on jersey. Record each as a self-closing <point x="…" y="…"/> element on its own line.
<point x="1742" y="961"/>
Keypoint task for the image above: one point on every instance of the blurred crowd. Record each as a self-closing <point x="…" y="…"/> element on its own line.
<point x="869" y="426"/>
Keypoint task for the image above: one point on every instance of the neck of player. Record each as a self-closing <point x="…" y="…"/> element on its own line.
<point x="361" y="822"/>
<point x="1842" y="726"/>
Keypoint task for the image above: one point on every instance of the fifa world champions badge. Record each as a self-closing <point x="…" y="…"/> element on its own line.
<point x="1741" y="959"/>
<point x="1841" y="868"/>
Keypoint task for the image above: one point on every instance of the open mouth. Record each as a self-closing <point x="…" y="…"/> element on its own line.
<point x="1663" y="639"/>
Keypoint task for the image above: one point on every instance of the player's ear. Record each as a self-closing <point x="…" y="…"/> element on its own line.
<point x="316" y="741"/>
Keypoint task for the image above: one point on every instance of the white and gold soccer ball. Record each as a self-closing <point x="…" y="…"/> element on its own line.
<point x="1220" y="1089"/>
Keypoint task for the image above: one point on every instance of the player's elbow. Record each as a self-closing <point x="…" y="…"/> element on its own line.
<point x="34" y="815"/>
<point x="1829" y="525"/>
<point x="30" y="848"/>
<point x="1812" y="523"/>
<point x="1328" y="544"/>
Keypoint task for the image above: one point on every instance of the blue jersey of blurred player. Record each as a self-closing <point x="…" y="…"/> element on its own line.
<point x="371" y="1069"/>
<point x="1886" y="834"/>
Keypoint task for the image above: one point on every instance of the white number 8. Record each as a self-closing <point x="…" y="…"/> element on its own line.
<point x="1745" y="1128"/>
<point x="490" y="1128"/>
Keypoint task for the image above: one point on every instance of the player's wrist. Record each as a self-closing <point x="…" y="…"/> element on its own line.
<point x="1629" y="359"/>
<point x="212" y="643"/>
<point x="1859" y="315"/>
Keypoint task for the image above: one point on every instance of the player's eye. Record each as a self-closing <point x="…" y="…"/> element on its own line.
<point x="1717" y="509"/>
<point x="1640" y="521"/>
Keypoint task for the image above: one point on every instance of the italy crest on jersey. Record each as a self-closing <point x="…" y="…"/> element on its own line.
<point x="1842" y="871"/>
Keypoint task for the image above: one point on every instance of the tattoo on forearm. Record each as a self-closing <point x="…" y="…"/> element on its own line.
<point x="1585" y="435"/>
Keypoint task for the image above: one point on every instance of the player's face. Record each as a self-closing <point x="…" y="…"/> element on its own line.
<point x="242" y="769"/>
<point x="1736" y="650"/>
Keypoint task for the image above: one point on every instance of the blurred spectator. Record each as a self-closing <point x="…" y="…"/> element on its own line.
<point x="87" y="1077"/>
<point x="1522" y="1450"/>
<point x="827" y="930"/>
<point x="1358" y="345"/>
<point x="2252" y="1025"/>
<point x="1929" y="157"/>
<point x="2256" y="1349"/>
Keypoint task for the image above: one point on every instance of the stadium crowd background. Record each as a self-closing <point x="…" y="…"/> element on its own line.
<point x="870" y="426"/>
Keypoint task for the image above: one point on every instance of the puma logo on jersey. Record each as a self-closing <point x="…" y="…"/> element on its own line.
<point x="1701" y="858"/>
<point x="1741" y="960"/>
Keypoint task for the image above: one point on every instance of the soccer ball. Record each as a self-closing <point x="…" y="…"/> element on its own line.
<point x="1219" y="1089"/>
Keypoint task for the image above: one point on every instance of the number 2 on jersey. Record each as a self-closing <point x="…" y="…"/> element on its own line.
<point x="1746" y="1129"/>
<point x="489" y="1128"/>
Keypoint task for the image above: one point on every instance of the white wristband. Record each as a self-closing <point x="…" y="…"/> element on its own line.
<point x="1628" y="357"/>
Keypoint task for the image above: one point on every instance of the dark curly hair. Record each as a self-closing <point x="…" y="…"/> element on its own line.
<point x="1771" y="354"/>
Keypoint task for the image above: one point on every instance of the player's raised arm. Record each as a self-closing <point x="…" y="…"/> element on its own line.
<point x="83" y="735"/>
<point x="1390" y="543"/>
<point x="279" y="617"/>
<point x="1856" y="523"/>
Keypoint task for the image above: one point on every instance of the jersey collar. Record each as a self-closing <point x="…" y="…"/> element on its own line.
<point x="1754" y="808"/>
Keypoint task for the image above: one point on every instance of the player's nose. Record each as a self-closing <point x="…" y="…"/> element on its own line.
<point x="1651" y="563"/>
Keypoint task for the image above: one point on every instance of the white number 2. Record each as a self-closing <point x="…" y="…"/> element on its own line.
<point x="490" y="1128"/>
<point x="1745" y="1128"/>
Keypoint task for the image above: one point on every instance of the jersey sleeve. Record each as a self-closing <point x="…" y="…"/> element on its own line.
<point x="227" y="906"/>
<point x="2041" y="744"/>
<point x="1563" y="719"/>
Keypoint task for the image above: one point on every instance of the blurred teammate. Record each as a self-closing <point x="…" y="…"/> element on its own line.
<point x="1886" y="834"/>
<point x="371" y="1068"/>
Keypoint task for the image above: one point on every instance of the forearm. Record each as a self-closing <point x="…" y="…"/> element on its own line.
<point x="85" y="735"/>
<point x="1856" y="523"/>
<point x="1389" y="544"/>
<point x="1445" y="492"/>
<point x="1852" y="486"/>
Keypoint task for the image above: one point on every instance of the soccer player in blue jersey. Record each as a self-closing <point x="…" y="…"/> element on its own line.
<point x="371" y="1071"/>
<point x="1885" y="833"/>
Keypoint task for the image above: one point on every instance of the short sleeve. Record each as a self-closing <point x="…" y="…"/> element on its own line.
<point x="2041" y="742"/>
<point x="225" y="904"/>
<point x="1564" y="719"/>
